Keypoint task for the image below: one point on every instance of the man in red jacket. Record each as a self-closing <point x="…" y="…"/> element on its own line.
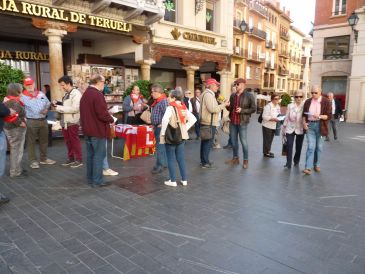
<point x="95" y="123"/>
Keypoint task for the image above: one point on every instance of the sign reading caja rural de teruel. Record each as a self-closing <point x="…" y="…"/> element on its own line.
<point x="35" y="10"/>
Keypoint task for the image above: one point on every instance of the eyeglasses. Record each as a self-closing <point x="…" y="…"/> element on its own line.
<point x="314" y="92"/>
<point x="298" y="97"/>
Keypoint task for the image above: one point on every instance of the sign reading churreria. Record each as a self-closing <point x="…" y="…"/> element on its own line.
<point x="35" y="10"/>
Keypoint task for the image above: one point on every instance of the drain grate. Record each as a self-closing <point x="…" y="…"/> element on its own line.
<point x="141" y="185"/>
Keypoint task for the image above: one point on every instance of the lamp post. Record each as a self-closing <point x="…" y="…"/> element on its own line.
<point x="353" y="20"/>
<point x="243" y="26"/>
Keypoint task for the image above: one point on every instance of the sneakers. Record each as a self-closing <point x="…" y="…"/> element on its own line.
<point x="184" y="183"/>
<point x="34" y="165"/>
<point x="207" y="166"/>
<point x="48" y="162"/>
<point x="109" y="172"/>
<point x="76" y="164"/>
<point x="233" y="161"/>
<point x="68" y="162"/>
<point x="227" y="147"/>
<point x="317" y="169"/>
<point x="157" y="170"/>
<point x="169" y="183"/>
<point x="307" y="171"/>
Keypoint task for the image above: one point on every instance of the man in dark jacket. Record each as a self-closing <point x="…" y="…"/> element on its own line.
<point x="317" y="111"/>
<point x="242" y="105"/>
<point x="4" y="111"/>
<point x="195" y="104"/>
<point x="336" y="113"/>
<point x="95" y="123"/>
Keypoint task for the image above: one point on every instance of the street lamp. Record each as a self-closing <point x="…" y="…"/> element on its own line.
<point x="243" y="26"/>
<point x="353" y="19"/>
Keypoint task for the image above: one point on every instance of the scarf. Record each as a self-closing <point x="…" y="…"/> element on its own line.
<point x="135" y="98"/>
<point x="27" y="93"/>
<point x="180" y="108"/>
<point x="159" y="99"/>
<point x="16" y="98"/>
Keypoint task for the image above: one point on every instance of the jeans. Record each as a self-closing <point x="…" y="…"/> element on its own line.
<point x="289" y="147"/>
<point x="234" y="132"/>
<point x="160" y="150"/>
<point x="315" y="146"/>
<point x="16" y="138"/>
<point x="2" y="153"/>
<point x="205" y="148"/>
<point x="72" y="140"/>
<point x="37" y="129"/>
<point x="96" y="152"/>
<point x="105" y="161"/>
<point x="172" y="152"/>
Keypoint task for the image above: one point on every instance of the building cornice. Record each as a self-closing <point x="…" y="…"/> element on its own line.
<point x="331" y="26"/>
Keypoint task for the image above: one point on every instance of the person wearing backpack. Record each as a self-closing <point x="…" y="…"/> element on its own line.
<point x="242" y="105"/>
<point x="177" y="119"/>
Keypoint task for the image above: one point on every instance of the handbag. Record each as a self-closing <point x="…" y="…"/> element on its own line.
<point x="284" y="148"/>
<point x="146" y="116"/>
<point x="173" y="135"/>
<point x="260" y="117"/>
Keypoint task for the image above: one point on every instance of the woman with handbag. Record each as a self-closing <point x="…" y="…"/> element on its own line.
<point x="133" y="106"/>
<point x="174" y="131"/>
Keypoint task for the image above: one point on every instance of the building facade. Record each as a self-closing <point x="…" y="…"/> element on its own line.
<point x="338" y="59"/>
<point x="47" y="39"/>
<point x="295" y="62"/>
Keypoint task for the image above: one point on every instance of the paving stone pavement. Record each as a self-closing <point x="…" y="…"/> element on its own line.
<point x="261" y="220"/>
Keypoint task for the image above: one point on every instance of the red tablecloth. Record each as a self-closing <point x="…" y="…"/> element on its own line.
<point x="139" y="140"/>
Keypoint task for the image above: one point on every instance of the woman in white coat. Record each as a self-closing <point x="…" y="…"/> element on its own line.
<point x="269" y="120"/>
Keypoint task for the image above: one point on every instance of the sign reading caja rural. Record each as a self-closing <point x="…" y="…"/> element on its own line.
<point x="24" y="55"/>
<point x="35" y="10"/>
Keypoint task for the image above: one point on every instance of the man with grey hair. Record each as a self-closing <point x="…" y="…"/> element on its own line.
<point x="316" y="113"/>
<point x="336" y="113"/>
<point x="95" y="123"/>
<point x="158" y="106"/>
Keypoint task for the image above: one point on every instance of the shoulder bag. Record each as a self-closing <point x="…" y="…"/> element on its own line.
<point x="206" y="132"/>
<point x="173" y="135"/>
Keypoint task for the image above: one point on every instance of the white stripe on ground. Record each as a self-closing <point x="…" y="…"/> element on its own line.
<point x="210" y="267"/>
<point x="173" y="233"/>
<point x="339" y="196"/>
<point x="312" y="227"/>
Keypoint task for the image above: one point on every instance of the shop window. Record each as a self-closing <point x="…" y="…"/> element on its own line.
<point x="236" y="70"/>
<point x="339" y="7"/>
<point x="170" y="10"/>
<point x="210" y="16"/>
<point x="248" y="72"/>
<point x="336" y="47"/>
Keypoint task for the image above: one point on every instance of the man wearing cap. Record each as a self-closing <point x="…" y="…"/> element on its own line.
<point x="36" y="109"/>
<point x="209" y="112"/>
<point x="242" y="105"/>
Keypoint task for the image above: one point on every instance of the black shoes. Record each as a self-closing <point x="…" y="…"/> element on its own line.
<point x="227" y="147"/>
<point x="269" y="155"/>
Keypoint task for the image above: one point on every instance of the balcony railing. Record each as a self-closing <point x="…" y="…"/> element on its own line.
<point x="247" y="2"/>
<point x="283" y="71"/>
<point x="285" y="36"/>
<point x="258" y="33"/>
<point x="254" y="56"/>
<point x="256" y="5"/>
<point x="335" y="56"/>
<point x="292" y="75"/>
<point x="238" y="51"/>
<point x="284" y="54"/>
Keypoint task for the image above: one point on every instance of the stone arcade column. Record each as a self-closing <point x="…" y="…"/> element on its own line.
<point x="226" y="81"/>
<point x="55" y="60"/>
<point x="146" y="68"/>
<point x="190" y="73"/>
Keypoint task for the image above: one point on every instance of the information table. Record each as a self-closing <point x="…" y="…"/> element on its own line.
<point x="139" y="140"/>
